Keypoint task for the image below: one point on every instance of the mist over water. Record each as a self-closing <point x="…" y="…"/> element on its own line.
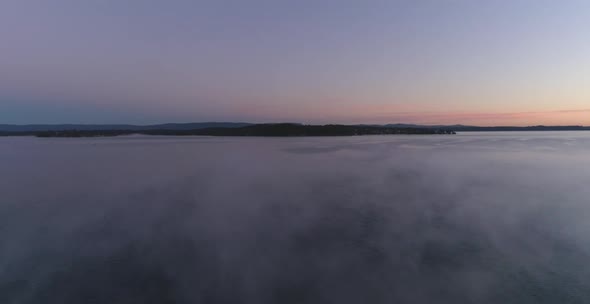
<point x="471" y="218"/>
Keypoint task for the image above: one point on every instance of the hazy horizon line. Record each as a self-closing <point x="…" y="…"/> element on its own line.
<point x="553" y="117"/>
<point x="296" y="122"/>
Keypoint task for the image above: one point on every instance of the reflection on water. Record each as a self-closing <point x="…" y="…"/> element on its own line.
<point x="471" y="218"/>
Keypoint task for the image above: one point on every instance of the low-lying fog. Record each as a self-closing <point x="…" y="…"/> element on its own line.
<point x="470" y="218"/>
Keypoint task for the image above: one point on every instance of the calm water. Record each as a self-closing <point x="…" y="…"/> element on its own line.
<point x="471" y="218"/>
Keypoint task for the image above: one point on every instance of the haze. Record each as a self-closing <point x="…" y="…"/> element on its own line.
<point x="471" y="218"/>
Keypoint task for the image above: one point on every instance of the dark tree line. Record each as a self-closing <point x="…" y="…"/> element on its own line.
<point x="267" y="130"/>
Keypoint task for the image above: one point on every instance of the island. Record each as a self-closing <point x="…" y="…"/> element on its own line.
<point x="262" y="130"/>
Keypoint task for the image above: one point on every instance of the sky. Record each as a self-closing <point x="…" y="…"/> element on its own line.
<point x="503" y="62"/>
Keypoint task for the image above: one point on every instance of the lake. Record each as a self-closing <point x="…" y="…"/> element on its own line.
<point x="469" y="218"/>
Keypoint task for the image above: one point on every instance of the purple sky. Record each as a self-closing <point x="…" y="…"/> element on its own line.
<point x="515" y="62"/>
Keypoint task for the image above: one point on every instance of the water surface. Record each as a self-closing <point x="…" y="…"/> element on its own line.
<point x="472" y="218"/>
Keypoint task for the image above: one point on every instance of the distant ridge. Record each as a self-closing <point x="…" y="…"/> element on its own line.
<point x="102" y="127"/>
<point x="12" y="129"/>
<point x="464" y="128"/>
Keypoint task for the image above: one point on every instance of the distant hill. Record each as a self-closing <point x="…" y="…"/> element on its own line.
<point x="530" y="128"/>
<point x="85" y="127"/>
<point x="464" y="128"/>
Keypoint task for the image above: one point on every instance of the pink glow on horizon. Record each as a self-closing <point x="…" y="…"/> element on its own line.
<point x="383" y="114"/>
<point x="559" y="117"/>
